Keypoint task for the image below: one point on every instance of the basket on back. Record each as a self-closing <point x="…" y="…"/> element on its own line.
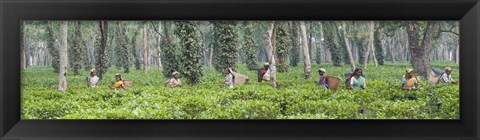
<point x="434" y="77"/>
<point x="128" y="83"/>
<point x="333" y="82"/>
<point x="240" y="79"/>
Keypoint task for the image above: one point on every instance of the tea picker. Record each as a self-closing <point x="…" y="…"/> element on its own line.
<point x="92" y="81"/>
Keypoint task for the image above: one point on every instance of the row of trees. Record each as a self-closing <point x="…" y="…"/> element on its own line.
<point x="187" y="46"/>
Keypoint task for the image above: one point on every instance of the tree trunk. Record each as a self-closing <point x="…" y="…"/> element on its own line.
<point x="420" y="52"/>
<point x="347" y="44"/>
<point x="210" y="57"/>
<point x="23" y="57"/>
<point x="310" y="36"/>
<point x="159" y="49"/>
<point x="100" y="50"/>
<point x="306" y="55"/>
<point x="149" y="44"/>
<point x="457" y="55"/>
<point x="77" y="50"/>
<point x="320" y="45"/>
<point x="372" y="33"/>
<point x="133" y="43"/>
<point x="62" y="82"/>
<point x="367" y="53"/>
<point x="271" y="57"/>
<point x="295" y="50"/>
<point x="393" y="44"/>
<point x="52" y="49"/>
<point x="145" y="51"/>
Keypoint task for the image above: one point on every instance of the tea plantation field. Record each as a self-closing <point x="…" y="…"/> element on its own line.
<point x="295" y="98"/>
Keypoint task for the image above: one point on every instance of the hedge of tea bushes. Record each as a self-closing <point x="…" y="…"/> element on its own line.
<point x="295" y="97"/>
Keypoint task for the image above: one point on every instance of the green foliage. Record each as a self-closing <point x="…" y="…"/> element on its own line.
<point x="122" y="49"/>
<point x="133" y="43"/>
<point x="189" y="37"/>
<point x="335" y="50"/>
<point x="361" y="50"/>
<point x="295" y="49"/>
<point x="249" y="46"/>
<point x="111" y="46"/>
<point x="282" y="46"/>
<point x="170" y="59"/>
<point x="100" y="46"/>
<point x="88" y="32"/>
<point x="78" y="49"/>
<point x="259" y="30"/>
<point x="170" y="54"/>
<point x="225" y="48"/>
<point x="296" y="97"/>
<point x="341" y="43"/>
<point x="51" y="46"/>
<point x="378" y="47"/>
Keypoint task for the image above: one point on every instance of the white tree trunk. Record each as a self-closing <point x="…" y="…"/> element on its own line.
<point x="149" y="44"/>
<point x="23" y="56"/>
<point x="347" y="44"/>
<point x="367" y="53"/>
<point x="210" y="58"/>
<point x="145" y="52"/>
<point x="457" y="56"/>
<point x="372" y="45"/>
<point x="391" y="50"/>
<point x="271" y="57"/>
<point x="62" y="82"/>
<point x="320" y="44"/>
<point x="159" y="59"/>
<point x="306" y="55"/>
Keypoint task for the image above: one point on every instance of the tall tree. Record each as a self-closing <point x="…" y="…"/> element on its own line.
<point x="347" y="45"/>
<point x="306" y="55"/>
<point x="78" y="53"/>
<point x="249" y="45"/>
<point x="23" y="56"/>
<point x="457" y="54"/>
<point x="295" y="49"/>
<point x="372" y="43"/>
<point x="341" y="42"/>
<point x="370" y="46"/>
<point x="420" y="44"/>
<point x="170" y="53"/>
<point x="101" y="42"/>
<point x="282" y="45"/>
<point x="62" y="82"/>
<point x="189" y="37"/>
<point x="122" y="47"/>
<point x="133" y="43"/>
<point x="310" y="35"/>
<point x="110" y="58"/>
<point x="360" y="49"/>
<point x="159" y="49"/>
<point x="225" y="44"/>
<point x="336" y="54"/>
<point x="271" y="57"/>
<point x="320" y="44"/>
<point x="378" y="47"/>
<point x="146" y="46"/>
<point x="51" y="47"/>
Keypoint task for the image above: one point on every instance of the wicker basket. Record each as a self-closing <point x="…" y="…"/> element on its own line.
<point x="433" y="78"/>
<point x="333" y="82"/>
<point x="240" y="79"/>
<point x="128" y="83"/>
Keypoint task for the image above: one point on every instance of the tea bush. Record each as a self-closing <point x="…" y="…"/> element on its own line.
<point x="295" y="97"/>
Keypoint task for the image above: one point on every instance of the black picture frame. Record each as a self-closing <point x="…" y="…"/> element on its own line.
<point x="12" y="11"/>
